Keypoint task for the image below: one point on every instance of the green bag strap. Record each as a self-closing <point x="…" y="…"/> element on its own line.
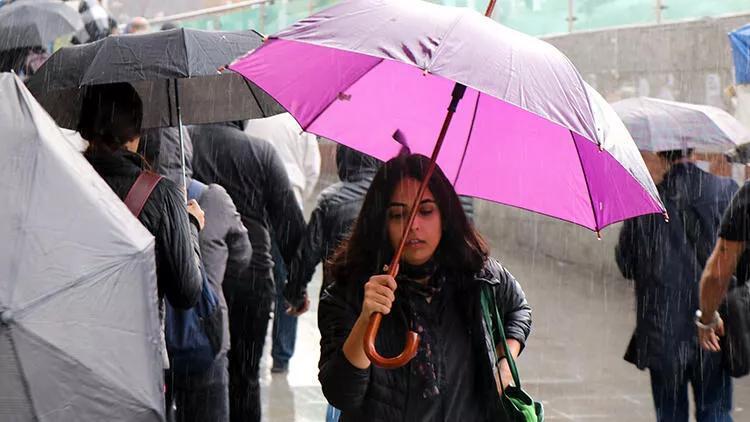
<point x="487" y="298"/>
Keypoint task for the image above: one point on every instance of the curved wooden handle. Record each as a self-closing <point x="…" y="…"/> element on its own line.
<point x="410" y="349"/>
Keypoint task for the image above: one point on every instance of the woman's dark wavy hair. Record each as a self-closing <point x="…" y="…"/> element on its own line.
<point x="111" y="115"/>
<point x="461" y="249"/>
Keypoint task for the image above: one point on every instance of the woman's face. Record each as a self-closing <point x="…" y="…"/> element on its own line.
<point x="424" y="236"/>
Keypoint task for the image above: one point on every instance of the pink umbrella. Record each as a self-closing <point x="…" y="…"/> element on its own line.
<point x="522" y="128"/>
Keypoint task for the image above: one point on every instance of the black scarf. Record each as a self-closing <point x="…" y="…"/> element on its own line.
<point x="427" y="365"/>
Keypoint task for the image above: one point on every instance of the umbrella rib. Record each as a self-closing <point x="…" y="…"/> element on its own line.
<point x="333" y="100"/>
<point x="588" y="186"/>
<point x="187" y="59"/>
<point x="21" y="240"/>
<point x="445" y="37"/>
<point x="24" y="380"/>
<point x="169" y="101"/>
<point x="80" y="280"/>
<point x="468" y="138"/>
<point x="255" y="97"/>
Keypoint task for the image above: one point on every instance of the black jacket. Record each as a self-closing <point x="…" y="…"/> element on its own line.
<point x="165" y="216"/>
<point x="331" y="220"/>
<point x="376" y="394"/>
<point x="663" y="260"/>
<point x="254" y="176"/>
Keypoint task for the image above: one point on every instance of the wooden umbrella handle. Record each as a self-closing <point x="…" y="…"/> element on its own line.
<point x="410" y="349"/>
<point x="412" y="338"/>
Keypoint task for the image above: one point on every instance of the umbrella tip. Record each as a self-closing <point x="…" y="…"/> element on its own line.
<point x="666" y="217"/>
<point x="598" y="235"/>
<point x="6" y="317"/>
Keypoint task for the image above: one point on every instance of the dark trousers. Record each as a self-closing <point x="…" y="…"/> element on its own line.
<point x="712" y="389"/>
<point x="200" y="397"/>
<point x="284" y="332"/>
<point x="249" y="310"/>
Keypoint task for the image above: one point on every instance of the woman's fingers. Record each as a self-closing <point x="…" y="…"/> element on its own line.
<point x="384" y="280"/>
<point x="387" y="292"/>
<point x="379" y="294"/>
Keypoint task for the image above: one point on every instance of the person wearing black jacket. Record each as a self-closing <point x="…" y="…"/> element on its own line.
<point x="665" y="260"/>
<point x="330" y="222"/>
<point x="254" y="176"/>
<point x="226" y="252"/>
<point x="111" y="123"/>
<point x="436" y="293"/>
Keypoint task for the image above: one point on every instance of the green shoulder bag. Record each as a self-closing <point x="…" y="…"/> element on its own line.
<point x="518" y="405"/>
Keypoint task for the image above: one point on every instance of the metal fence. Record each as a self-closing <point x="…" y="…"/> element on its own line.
<point x="535" y="17"/>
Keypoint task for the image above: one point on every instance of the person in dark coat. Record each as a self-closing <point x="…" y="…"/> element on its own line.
<point x="226" y="253"/>
<point x="436" y="293"/>
<point x="255" y="178"/>
<point x="337" y="208"/>
<point x="111" y="123"/>
<point x="665" y="261"/>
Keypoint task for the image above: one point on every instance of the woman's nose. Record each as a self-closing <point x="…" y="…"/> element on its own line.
<point x="417" y="223"/>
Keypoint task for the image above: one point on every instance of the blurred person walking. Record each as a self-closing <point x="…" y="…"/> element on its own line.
<point x="330" y="222"/>
<point x="255" y="178"/>
<point x="226" y="253"/>
<point x="299" y="152"/>
<point x="665" y="261"/>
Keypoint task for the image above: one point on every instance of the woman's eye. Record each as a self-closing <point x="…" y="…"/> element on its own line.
<point x="395" y="215"/>
<point x="427" y="210"/>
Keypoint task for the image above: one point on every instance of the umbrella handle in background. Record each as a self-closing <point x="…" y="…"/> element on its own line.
<point x="412" y="338"/>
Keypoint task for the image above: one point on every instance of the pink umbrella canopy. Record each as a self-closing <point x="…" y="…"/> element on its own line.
<point x="528" y="132"/>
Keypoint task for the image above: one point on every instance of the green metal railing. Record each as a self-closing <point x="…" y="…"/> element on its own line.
<point x="535" y="17"/>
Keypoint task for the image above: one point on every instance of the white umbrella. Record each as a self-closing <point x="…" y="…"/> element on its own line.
<point x="660" y="125"/>
<point x="79" y="330"/>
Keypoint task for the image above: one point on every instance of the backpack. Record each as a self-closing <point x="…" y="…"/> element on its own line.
<point x="194" y="335"/>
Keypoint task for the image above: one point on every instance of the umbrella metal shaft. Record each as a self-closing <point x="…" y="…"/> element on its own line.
<point x="180" y="130"/>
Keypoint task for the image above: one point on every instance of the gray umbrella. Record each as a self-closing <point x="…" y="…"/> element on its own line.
<point x="31" y="23"/>
<point x="79" y="327"/>
<point x="178" y="74"/>
<point x="660" y="125"/>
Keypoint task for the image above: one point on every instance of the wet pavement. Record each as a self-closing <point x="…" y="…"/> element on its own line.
<point x="573" y="360"/>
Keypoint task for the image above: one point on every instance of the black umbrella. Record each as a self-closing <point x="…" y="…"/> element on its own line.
<point x="32" y="23"/>
<point x="178" y="74"/>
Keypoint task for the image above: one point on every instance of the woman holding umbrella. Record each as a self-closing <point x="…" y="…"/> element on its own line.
<point x="442" y="269"/>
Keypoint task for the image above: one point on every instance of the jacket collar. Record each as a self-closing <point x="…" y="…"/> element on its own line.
<point x="491" y="272"/>
<point x="115" y="163"/>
